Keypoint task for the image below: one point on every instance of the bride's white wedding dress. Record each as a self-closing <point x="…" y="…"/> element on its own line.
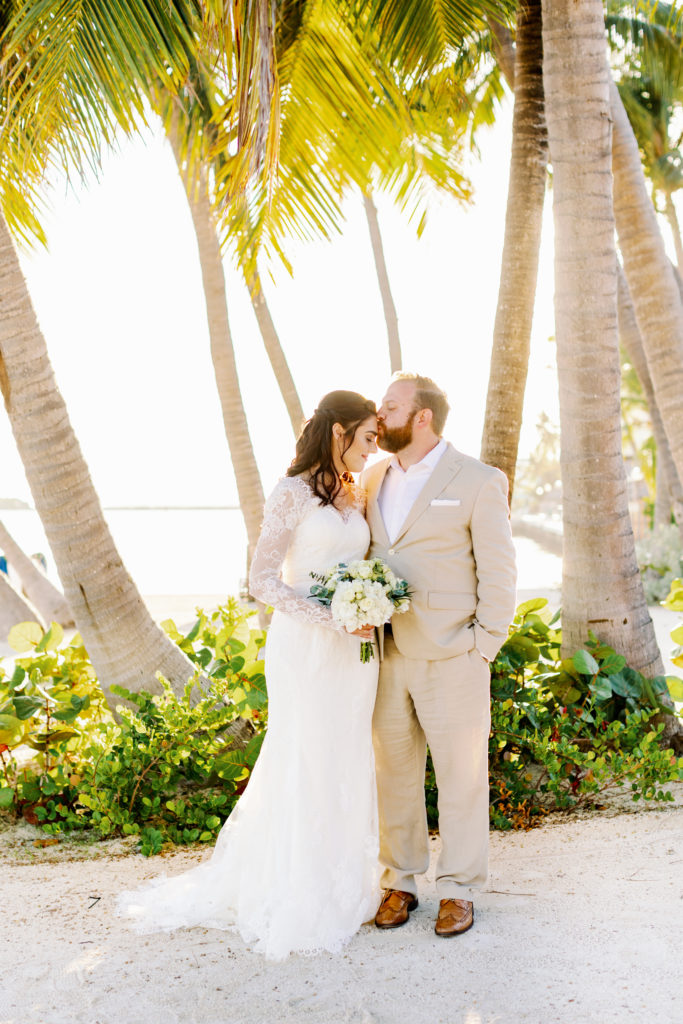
<point x="295" y="865"/>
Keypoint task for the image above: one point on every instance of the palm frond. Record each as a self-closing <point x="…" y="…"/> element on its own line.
<point x="419" y="34"/>
<point x="71" y="72"/>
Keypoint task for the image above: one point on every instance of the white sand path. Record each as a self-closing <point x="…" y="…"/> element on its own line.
<point x="581" y="922"/>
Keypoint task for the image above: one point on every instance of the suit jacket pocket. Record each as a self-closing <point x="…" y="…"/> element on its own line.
<point x="458" y="602"/>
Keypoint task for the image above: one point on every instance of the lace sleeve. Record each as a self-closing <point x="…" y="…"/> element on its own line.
<point x="284" y="510"/>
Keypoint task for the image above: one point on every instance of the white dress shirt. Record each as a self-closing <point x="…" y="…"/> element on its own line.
<point x="401" y="487"/>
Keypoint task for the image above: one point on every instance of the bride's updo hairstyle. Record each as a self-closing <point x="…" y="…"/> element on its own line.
<point x="314" y="444"/>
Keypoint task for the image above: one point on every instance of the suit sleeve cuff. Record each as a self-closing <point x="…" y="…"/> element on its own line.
<point x="487" y="645"/>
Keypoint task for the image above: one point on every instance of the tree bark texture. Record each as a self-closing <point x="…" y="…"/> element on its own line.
<point x="40" y="591"/>
<point x="650" y="276"/>
<point x="519" y="268"/>
<point x="14" y="608"/>
<point x="276" y="355"/>
<point x="601" y="587"/>
<point x="390" y="315"/>
<point x="125" y="645"/>
<point x="629" y="334"/>
<point x="503" y="50"/>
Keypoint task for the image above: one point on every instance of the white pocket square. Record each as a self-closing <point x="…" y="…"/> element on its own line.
<point x="445" y="501"/>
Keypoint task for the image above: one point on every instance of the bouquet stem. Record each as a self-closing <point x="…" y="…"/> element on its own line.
<point x="367" y="651"/>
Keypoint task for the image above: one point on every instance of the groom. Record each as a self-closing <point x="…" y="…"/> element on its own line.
<point x="440" y="519"/>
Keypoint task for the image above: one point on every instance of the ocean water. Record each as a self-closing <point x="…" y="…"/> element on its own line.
<point x="203" y="551"/>
<point x="166" y="551"/>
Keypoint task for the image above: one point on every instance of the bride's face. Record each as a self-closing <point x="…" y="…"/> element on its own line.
<point x="363" y="445"/>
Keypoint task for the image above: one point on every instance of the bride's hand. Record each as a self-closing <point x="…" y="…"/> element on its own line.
<point x="365" y="632"/>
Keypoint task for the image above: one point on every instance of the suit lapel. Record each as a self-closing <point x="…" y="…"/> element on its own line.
<point x="448" y="466"/>
<point x="374" y="514"/>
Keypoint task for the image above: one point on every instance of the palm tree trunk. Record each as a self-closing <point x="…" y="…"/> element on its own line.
<point x="650" y="277"/>
<point x="247" y="478"/>
<point x="632" y="342"/>
<point x="14" y="608"/>
<point x="125" y="645"/>
<point x="40" y="591"/>
<point x="275" y="353"/>
<point x="390" y="315"/>
<point x="523" y="223"/>
<point x="601" y="587"/>
<point x="672" y="218"/>
<point x="503" y="50"/>
<point x="661" y="515"/>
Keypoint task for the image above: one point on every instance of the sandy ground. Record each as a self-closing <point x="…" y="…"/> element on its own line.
<point x="580" y="922"/>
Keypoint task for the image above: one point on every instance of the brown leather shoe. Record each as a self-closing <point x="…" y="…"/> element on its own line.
<point x="394" y="908"/>
<point x="455" y="917"/>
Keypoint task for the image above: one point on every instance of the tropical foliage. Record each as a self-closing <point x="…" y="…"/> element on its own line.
<point x="169" y="770"/>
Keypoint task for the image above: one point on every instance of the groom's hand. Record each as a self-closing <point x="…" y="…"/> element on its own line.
<point x="365" y="632"/>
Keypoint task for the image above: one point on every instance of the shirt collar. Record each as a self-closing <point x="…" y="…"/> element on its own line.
<point x="425" y="465"/>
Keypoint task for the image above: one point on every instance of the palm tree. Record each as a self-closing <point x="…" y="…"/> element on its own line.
<point x="274" y="351"/>
<point x="650" y="82"/>
<point x="195" y="180"/>
<point x="523" y="222"/>
<point x="42" y="593"/>
<point x="650" y="276"/>
<point x="62" y="67"/>
<point x="390" y="316"/>
<point x="601" y="586"/>
<point x="629" y="335"/>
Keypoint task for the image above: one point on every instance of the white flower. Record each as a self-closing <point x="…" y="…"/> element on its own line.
<point x="361" y="593"/>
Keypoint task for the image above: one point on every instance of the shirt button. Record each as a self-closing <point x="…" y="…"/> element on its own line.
<point x="391" y="551"/>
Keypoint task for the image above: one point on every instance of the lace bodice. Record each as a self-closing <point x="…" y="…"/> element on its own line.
<point x="300" y="536"/>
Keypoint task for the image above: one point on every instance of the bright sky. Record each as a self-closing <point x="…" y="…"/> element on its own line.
<point x="120" y="301"/>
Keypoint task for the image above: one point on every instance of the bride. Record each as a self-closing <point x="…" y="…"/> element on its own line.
<point x="295" y="865"/>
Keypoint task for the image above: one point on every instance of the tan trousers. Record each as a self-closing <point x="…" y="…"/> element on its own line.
<point x="445" y="704"/>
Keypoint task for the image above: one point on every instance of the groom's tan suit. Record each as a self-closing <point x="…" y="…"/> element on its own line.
<point x="455" y="549"/>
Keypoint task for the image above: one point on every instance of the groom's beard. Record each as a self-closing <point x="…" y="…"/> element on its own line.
<point x="395" y="439"/>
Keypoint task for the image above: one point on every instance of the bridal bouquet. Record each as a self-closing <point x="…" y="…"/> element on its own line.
<point x="365" y="592"/>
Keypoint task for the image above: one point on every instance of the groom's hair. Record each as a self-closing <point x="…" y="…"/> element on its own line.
<point x="428" y="396"/>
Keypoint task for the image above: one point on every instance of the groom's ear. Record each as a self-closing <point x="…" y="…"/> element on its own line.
<point x="424" y="417"/>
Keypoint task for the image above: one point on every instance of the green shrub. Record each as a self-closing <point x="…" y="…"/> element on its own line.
<point x="169" y="769"/>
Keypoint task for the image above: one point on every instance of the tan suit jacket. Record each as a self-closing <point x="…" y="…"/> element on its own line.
<point x="455" y="549"/>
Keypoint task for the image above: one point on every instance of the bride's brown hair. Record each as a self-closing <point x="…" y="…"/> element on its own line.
<point x="314" y="444"/>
